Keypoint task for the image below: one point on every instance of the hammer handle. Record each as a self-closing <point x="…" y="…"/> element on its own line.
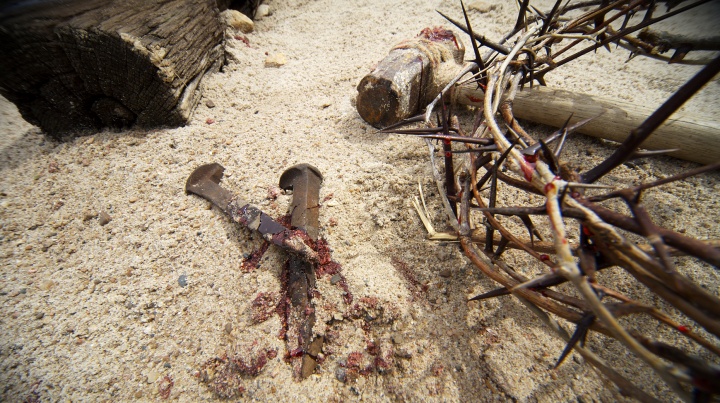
<point x="696" y="137"/>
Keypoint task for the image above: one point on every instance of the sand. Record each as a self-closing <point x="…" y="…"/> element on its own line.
<point x="93" y="312"/>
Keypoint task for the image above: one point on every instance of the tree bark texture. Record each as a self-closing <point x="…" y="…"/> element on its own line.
<point x="74" y="66"/>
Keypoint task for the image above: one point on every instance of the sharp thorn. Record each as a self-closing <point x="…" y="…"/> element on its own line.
<point x="491" y="294"/>
<point x="476" y="51"/>
<point x="429" y="130"/>
<point x="579" y="336"/>
<point x="550" y="157"/>
<point x="651" y="153"/>
<point x="475" y="150"/>
<point x="461" y="139"/>
<point x="502" y="246"/>
<point x="413" y="119"/>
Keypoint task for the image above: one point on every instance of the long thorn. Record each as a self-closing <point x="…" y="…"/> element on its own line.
<point x="521" y="15"/>
<point x="681" y="176"/>
<point x="580" y="332"/>
<point x="478" y="58"/>
<point x="483" y="40"/>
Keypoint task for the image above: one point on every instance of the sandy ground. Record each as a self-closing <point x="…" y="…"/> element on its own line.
<point x="93" y="312"/>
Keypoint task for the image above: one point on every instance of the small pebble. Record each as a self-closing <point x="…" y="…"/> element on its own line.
<point x="104" y="218"/>
<point x="228" y="328"/>
<point x="53" y="167"/>
<point x="133" y="199"/>
<point x="39" y="315"/>
<point x="210" y="103"/>
<point x="182" y="280"/>
<point x="238" y="20"/>
<point x="262" y="11"/>
<point x="445" y="273"/>
<point x="46" y="285"/>
<point x="324" y="103"/>
<point x="152" y="376"/>
<point x="275" y="60"/>
<point x="335" y="279"/>
<point x="341" y="374"/>
<point x="400" y="353"/>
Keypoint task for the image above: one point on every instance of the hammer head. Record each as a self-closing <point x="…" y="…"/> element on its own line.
<point x="304" y="180"/>
<point x="409" y="77"/>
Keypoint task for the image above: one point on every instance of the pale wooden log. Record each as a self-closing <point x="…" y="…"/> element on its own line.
<point x="697" y="137"/>
<point x="80" y="65"/>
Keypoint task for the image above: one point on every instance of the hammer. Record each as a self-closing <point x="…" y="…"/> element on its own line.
<point x="412" y="74"/>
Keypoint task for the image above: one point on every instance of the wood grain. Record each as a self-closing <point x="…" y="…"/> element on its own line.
<point x="79" y="65"/>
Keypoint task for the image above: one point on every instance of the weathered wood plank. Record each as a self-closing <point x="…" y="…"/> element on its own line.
<point x="82" y="65"/>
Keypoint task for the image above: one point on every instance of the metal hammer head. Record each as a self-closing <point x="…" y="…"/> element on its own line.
<point x="304" y="180"/>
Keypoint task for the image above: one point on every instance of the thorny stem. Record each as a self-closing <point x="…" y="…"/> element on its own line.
<point x="674" y="178"/>
<point x="550" y="16"/>
<point x="705" y="250"/>
<point x="544" y="179"/>
<point x="603" y="244"/>
<point x="503" y="67"/>
<point x="691" y="246"/>
<point x="617" y="36"/>
<point x="450" y="188"/>
<point x="483" y="40"/>
<point x="568" y="268"/>
<point x="521" y="15"/>
<point x="626" y="386"/>
<point x="504" y="232"/>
